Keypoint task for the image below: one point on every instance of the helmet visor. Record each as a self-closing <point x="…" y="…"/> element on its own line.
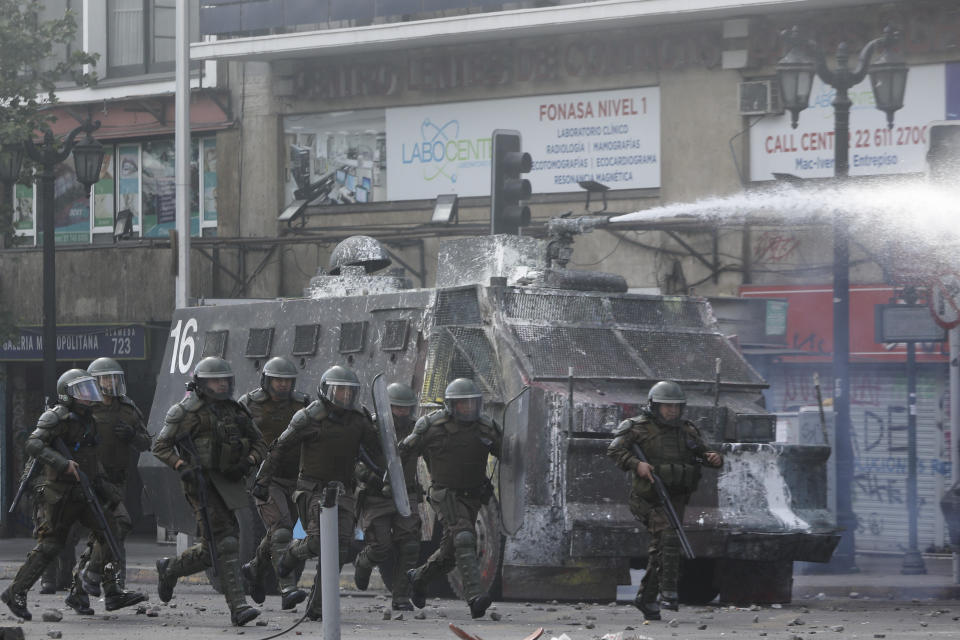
<point x="465" y="409"/>
<point x="112" y="384"/>
<point x="85" y="389"/>
<point x="342" y="395"/>
<point x="218" y="388"/>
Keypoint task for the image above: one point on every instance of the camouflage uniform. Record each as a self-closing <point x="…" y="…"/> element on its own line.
<point x="278" y="511"/>
<point x="115" y="455"/>
<point x="384" y="529"/>
<point x="456" y="455"/>
<point x="676" y="452"/>
<point x="328" y="440"/>
<point x="226" y="439"/>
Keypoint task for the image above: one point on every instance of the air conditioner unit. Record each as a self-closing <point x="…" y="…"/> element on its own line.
<point x="759" y="97"/>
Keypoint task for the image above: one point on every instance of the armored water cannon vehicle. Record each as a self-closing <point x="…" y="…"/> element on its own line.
<point x="562" y="357"/>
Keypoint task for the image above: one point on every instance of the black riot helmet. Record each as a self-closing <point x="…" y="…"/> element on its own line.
<point x="77" y="385"/>
<point x="206" y="377"/>
<point x="340" y="386"/>
<point x="280" y="369"/>
<point x="109" y="376"/>
<point x="666" y="392"/>
<point x="403" y="402"/>
<point x="462" y="400"/>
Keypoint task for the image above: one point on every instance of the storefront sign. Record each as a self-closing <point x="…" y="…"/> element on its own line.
<point x="611" y="137"/>
<point x="808" y="150"/>
<point x="81" y="342"/>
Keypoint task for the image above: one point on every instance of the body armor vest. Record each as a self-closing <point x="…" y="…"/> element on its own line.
<point x="456" y="456"/>
<point x="114" y="455"/>
<point x="673" y="460"/>
<point x="272" y="419"/>
<point x="79" y="433"/>
<point x="219" y="436"/>
<point x="330" y="453"/>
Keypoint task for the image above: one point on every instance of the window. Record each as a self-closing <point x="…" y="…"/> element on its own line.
<point x="142" y="35"/>
<point x="55" y="10"/>
<point x="135" y="176"/>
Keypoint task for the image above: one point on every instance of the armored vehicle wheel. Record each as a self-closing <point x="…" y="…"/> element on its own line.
<point x="489" y="549"/>
<point x="698" y="584"/>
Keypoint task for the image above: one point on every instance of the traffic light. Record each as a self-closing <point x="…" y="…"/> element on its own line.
<point x="507" y="189"/>
<point x="943" y="154"/>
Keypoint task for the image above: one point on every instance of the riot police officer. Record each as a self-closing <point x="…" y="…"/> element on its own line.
<point x="675" y="451"/>
<point x="272" y="406"/>
<point x="455" y="443"/>
<point x="63" y="502"/>
<point x="384" y="529"/>
<point x="121" y="430"/>
<point x="212" y="442"/>
<point x="327" y="435"/>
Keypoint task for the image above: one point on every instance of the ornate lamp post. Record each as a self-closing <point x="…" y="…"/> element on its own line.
<point x="888" y="76"/>
<point x="88" y="159"/>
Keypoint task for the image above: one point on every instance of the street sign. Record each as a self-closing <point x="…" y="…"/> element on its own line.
<point x="944" y="301"/>
<point x="906" y="323"/>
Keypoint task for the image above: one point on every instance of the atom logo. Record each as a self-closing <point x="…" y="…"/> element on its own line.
<point x="437" y="137"/>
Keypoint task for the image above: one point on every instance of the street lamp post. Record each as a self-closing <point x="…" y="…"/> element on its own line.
<point x="88" y="158"/>
<point x="888" y="76"/>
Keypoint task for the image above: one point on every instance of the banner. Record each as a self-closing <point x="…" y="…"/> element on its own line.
<point x="808" y="151"/>
<point x="611" y="137"/>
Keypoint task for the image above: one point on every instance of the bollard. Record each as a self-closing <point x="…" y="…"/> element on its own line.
<point x="330" y="562"/>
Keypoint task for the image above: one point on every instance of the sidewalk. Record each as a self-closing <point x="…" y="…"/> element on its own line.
<point x="879" y="576"/>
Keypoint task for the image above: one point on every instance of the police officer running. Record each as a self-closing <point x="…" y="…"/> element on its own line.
<point x="384" y="529"/>
<point x="674" y="450"/>
<point x="212" y="442"/>
<point x="272" y="406"/>
<point x="455" y="443"/>
<point x="327" y="435"/>
<point x="121" y="430"/>
<point x="60" y="493"/>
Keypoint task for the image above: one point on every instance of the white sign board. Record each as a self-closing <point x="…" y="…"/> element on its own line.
<point x="808" y="152"/>
<point x="612" y="137"/>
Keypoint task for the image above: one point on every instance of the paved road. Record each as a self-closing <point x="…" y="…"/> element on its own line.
<point x="196" y="613"/>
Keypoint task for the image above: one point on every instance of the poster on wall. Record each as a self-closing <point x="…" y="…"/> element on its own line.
<point x="209" y="180"/>
<point x="23" y="209"/>
<point x="611" y="137"/>
<point x="71" y="205"/>
<point x="808" y="151"/>
<point x="128" y="180"/>
<point x="103" y="192"/>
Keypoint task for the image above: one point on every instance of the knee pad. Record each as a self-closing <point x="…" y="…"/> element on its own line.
<point x="465" y="539"/>
<point x="228" y="546"/>
<point x="281" y="536"/>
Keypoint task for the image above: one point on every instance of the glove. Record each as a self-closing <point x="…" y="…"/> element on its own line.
<point x="189" y="474"/>
<point x="124" y="432"/>
<point x="260" y="492"/>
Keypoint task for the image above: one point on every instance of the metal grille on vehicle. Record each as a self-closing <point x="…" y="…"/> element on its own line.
<point x="395" y="335"/>
<point x="214" y="344"/>
<point x="258" y="343"/>
<point x="687" y="356"/>
<point x="305" y="339"/>
<point x="591" y="352"/>
<point x="663" y="312"/>
<point x="460" y="352"/>
<point x="457" y="307"/>
<point x="352" y="337"/>
<point x="554" y="308"/>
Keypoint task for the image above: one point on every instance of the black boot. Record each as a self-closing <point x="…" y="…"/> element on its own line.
<point x="46" y="588"/>
<point x="418" y="593"/>
<point x="361" y="573"/>
<point x="79" y="602"/>
<point x="650" y="610"/>
<point x="165" y="582"/>
<point x="291" y="598"/>
<point x="669" y="600"/>
<point x="119" y="599"/>
<point x="257" y="591"/>
<point x="286" y="564"/>
<point x="17" y="603"/>
<point x="242" y="615"/>
<point x="478" y="605"/>
<point x="402" y="605"/>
